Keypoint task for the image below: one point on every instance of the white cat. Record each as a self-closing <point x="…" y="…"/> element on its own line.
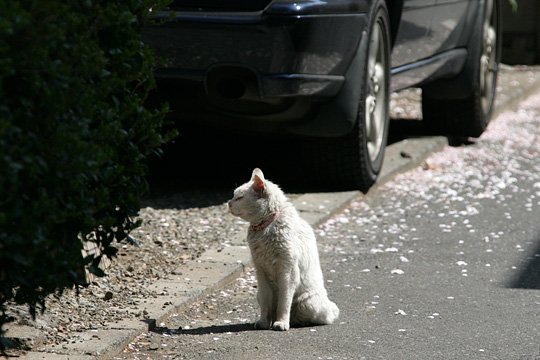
<point x="284" y="251"/>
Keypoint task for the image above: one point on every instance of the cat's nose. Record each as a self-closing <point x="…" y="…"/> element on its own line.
<point x="229" y="206"/>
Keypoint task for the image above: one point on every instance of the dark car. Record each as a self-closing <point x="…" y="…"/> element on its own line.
<point x="322" y="71"/>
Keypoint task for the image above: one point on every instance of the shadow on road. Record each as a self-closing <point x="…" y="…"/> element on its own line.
<point x="221" y="161"/>
<point x="214" y="329"/>
<point x="401" y="129"/>
<point x="211" y="161"/>
<point x="529" y="277"/>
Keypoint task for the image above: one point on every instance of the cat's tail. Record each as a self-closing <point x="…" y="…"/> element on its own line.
<point x="315" y="309"/>
<point x="331" y="313"/>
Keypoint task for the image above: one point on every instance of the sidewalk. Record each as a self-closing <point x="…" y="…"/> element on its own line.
<point x="217" y="267"/>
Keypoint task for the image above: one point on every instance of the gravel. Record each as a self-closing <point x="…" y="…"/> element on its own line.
<point x="174" y="230"/>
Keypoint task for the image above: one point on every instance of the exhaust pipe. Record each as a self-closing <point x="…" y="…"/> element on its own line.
<point x="232" y="83"/>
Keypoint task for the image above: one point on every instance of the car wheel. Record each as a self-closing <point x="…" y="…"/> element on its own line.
<point x="445" y="109"/>
<point x="354" y="161"/>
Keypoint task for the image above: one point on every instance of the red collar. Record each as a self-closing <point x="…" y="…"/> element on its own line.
<point x="263" y="224"/>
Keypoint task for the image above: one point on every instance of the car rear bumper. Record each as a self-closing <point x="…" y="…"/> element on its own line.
<point x="286" y="50"/>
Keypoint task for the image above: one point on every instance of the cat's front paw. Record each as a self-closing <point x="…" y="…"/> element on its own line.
<point x="262" y="324"/>
<point x="280" y="326"/>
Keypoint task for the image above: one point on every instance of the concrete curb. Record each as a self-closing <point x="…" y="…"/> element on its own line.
<point x="216" y="269"/>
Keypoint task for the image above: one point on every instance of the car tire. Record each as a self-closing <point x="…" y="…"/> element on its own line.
<point x="354" y="161"/>
<point x="462" y="107"/>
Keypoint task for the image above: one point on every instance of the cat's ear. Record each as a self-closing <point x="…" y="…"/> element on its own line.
<point x="258" y="181"/>
<point x="257" y="172"/>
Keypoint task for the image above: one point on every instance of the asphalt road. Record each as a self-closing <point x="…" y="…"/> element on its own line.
<point x="441" y="262"/>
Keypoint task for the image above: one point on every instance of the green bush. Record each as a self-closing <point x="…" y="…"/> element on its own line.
<point x="75" y="134"/>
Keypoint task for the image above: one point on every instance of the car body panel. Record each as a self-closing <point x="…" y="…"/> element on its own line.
<point x="413" y="40"/>
<point x="268" y="46"/>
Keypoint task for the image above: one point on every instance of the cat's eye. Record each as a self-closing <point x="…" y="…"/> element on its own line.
<point x="238" y="198"/>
